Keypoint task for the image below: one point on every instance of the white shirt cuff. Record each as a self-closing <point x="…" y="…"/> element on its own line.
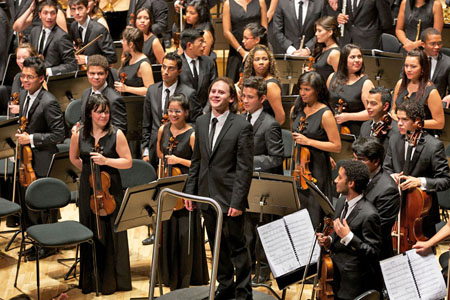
<point x="146" y="152"/>
<point x="31" y="141"/>
<point x="49" y="71"/>
<point x="423" y="183"/>
<point x="347" y="239"/>
<point x="86" y="59"/>
<point x="290" y="50"/>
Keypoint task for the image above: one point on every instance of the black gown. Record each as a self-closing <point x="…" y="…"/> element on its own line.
<point x="424" y="13"/>
<point x="266" y="104"/>
<point x="131" y="70"/>
<point x="178" y="268"/>
<point x="321" y="64"/>
<point x="319" y="165"/>
<point x="113" y="259"/>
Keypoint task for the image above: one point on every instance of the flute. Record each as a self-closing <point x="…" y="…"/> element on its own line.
<point x="302" y="42"/>
<point x="419" y="25"/>
<point x="344" y="12"/>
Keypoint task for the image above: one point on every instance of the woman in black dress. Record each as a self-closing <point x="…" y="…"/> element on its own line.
<point x="351" y="85"/>
<point x="199" y="17"/>
<point x="415" y="85"/>
<point x="428" y="11"/>
<point x="135" y="64"/>
<point x="261" y="62"/>
<point x="113" y="261"/>
<point x="237" y="14"/>
<point x="180" y="266"/>
<point x="96" y="13"/>
<point x="320" y="136"/>
<point x="152" y="46"/>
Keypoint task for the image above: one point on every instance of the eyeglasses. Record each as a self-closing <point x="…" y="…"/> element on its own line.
<point x="434" y="44"/>
<point x="247" y="38"/>
<point x="174" y="111"/>
<point x="27" y="77"/>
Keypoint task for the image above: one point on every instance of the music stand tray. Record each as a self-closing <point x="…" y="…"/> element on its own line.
<point x="73" y="82"/>
<point x="8" y="130"/>
<point x="346" y="149"/>
<point x="62" y="168"/>
<point x="320" y="197"/>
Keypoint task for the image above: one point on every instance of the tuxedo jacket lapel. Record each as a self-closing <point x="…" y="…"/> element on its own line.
<point x="49" y="39"/>
<point x="35" y="103"/>
<point x="258" y="122"/>
<point x="88" y="33"/>
<point x="354" y="212"/>
<point x="438" y="68"/>
<point x="159" y="96"/>
<point x="416" y="156"/>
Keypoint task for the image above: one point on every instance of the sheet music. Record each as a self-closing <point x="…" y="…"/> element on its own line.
<point x="398" y="278"/>
<point x="302" y="234"/>
<point x="278" y="248"/>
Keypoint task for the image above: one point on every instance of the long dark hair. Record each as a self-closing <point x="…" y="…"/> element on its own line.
<point x="424" y="76"/>
<point x="204" y="16"/>
<point x="249" y="70"/>
<point x="95" y="102"/>
<point x="135" y="36"/>
<point x="328" y="23"/>
<point x="342" y="71"/>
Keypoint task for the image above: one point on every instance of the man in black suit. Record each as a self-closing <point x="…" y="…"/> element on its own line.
<point x="381" y="191"/>
<point x="427" y="167"/>
<point x="289" y="26"/>
<point x="356" y="240"/>
<point x="157" y="100"/>
<point x="440" y="64"/>
<point x="365" y="21"/>
<point x="97" y="73"/>
<point x="221" y="168"/>
<point x="53" y="42"/>
<point x="84" y="30"/>
<point x="159" y="11"/>
<point x="378" y="106"/>
<point x="198" y="70"/>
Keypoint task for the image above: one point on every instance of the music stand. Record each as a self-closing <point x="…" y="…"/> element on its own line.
<point x="290" y="68"/>
<point x="11" y="70"/>
<point x="73" y="84"/>
<point x="62" y="168"/>
<point x="346" y="148"/>
<point x="8" y="130"/>
<point x="383" y="67"/>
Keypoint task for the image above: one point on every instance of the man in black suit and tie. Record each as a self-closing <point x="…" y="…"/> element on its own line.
<point x="427" y="167"/>
<point x="365" y="21"/>
<point x="440" y="63"/>
<point x="221" y="168"/>
<point x="290" y="25"/>
<point x="159" y="11"/>
<point x="381" y="191"/>
<point x="84" y="30"/>
<point x="356" y="240"/>
<point x="97" y="73"/>
<point x="198" y="70"/>
<point x="157" y="100"/>
<point x="53" y="42"/>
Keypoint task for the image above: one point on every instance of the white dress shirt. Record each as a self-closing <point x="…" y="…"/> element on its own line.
<point x="219" y="125"/>
<point x="351" y="205"/>
<point x="197" y="64"/>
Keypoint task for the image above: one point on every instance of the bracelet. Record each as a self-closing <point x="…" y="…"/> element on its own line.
<point x="239" y="48"/>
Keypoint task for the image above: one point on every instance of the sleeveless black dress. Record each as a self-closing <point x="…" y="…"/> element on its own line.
<point x="351" y="94"/>
<point x="424" y="13"/>
<point x="148" y="51"/>
<point x="321" y="65"/>
<point x="131" y="71"/>
<point x="113" y="259"/>
<point x="266" y="104"/>
<point x="178" y="268"/>
<point x="319" y="165"/>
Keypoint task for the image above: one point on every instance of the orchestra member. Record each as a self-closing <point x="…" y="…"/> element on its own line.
<point x="253" y="35"/>
<point x="182" y="252"/>
<point x="415" y="85"/>
<point x="96" y="13"/>
<point x="199" y="70"/>
<point x="6" y="33"/>
<point x="440" y="63"/>
<point x="157" y="100"/>
<point x="221" y="168"/>
<point x="381" y="191"/>
<point x="356" y="241"/>
<point x="135" y="65"/>
<point x="113" y="261"/>
<point x="199" y="17"/>
<point x="152" y="46"/>
<point x="97" y="73"/>
<point x="320" y="136"/>
<point x="84" y="30"/>
<point x="159" y="11"/>
<point x="428" y="167"/>
<point x="425" y="247"/>
<point x="407" y="30"/>
<point x="350" y="84"/>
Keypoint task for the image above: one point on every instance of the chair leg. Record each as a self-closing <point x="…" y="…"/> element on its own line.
<point x="12" y="240"/>
<point x="94" y="256"/>
<point x="37" y="271"/>
<point x="22" y="247"/>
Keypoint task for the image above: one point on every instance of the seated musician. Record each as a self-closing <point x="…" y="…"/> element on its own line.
<point x="84" y="30"/>
<point x="381" y="191"/>
<point x="356" y="241"/>
<point x="159" y="10"/>
<point x="425" y="247"/>
<point x="45" y="129"/>
<point x="53" y="42"/>
<point x="378" y="106"/>
<point x="428" y="167"/>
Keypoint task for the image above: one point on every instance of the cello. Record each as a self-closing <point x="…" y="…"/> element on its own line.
<point x="382" y="127"/>
<point x="340" y="107"/>
<point x="325" y="288"/>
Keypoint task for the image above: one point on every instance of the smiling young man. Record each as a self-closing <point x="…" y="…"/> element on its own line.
<point x="221" y="168"/>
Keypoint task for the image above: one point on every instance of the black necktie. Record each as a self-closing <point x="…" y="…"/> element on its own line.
<point x="429" y="61"/>
<point x="195" y="73"/>
<point x="300" y="15"/>
<point x="212" y="131"/>
<point x="80" y="30"/>
<point x="166" y="101"/>
<point x="355" y="5"/>
<point x="41" y="42"/>
<point x="25" y="107"/>
<point x="249" y="118"/>
<point x="407" y="160"/>
<point x="344" y="212"/>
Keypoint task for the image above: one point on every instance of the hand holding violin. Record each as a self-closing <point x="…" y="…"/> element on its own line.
<point x="172" y="159"/>
<point x="341" y="118"/>
<point x="120" y="87"/>
<point x="323" y="240"/>
<point x="98" y="158"/>
<point x="14" y="109"/>
<point x="23" y="138"/>
<point x="81" y="59"/>
<point x="300" y="139"/>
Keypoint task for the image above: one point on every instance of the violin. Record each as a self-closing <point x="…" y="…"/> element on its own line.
<point x="123" y="77"/>
<point x="311" y="62"/>
<point x="241" y="108"/>
<point x="415" y="205"/>
<point x="164" y="119"/>
<point x="340" y="107"/>
<point x="102" y="203"/>
<point x="325" y="288"/>
<point x="79" y="45"/>
<point x="382" y="128"/>
<point x="301" y="172"/>
<point x="26" y="172"/>
<point x="179" y="21"/>
<point x="132" y="21"/>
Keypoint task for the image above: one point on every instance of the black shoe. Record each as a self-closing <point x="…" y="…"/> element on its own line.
<point x="149" y="241"/>
<point x="43" y="253"/>
<point x="222" y="295"/>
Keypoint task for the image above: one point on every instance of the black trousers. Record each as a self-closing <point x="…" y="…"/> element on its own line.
<point x="233" y="254"/>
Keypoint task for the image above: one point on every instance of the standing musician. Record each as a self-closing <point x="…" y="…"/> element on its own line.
<point x="428" y="167"/>
<point x="320" y="137"/>
<point x="45" y="129"/>
<point x="110" y="154"/>
<point x="182" y="252"/>
<point x="85" y="30"/>
<point x="356" y="240"/>
<point x="381" y="190"/>
<point x="158" y="13"/>
<point x="221" y="168"/>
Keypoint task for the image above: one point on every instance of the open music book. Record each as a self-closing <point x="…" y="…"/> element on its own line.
<point x="287" y="242"/>
<point x="412" y="276"/>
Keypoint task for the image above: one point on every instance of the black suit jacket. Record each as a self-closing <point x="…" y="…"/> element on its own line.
<point x="6" y="33"/>
<point x="103" y="46"/>
<point x="366" y="24"/>
<point x="118" y="107"/>
<point x="382" y="192"/>
<point x="153" y="113"/>
<point x="286" y="30"/>
<point x="159" y="11"/>
<point x="206" y="74"/>
<point x="58" y="50"/>
<point x="47" y="127"/>
<point x="356" y="267"/>
<point x="268" y="145"/>
<point x="366" y="130"/>
<point x="225" y="172"/>
<point x="441" y="75"/>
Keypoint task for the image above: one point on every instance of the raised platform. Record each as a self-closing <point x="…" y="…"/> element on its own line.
<point x="198" y="293"/>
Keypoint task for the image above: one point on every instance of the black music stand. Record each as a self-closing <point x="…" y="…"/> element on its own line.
<point x="290" y="68"/>
<point x="67" y="86"/>
<point x="8" y="130"/>
<point x="346" y="149"/>
<point x="383" y="68"/>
